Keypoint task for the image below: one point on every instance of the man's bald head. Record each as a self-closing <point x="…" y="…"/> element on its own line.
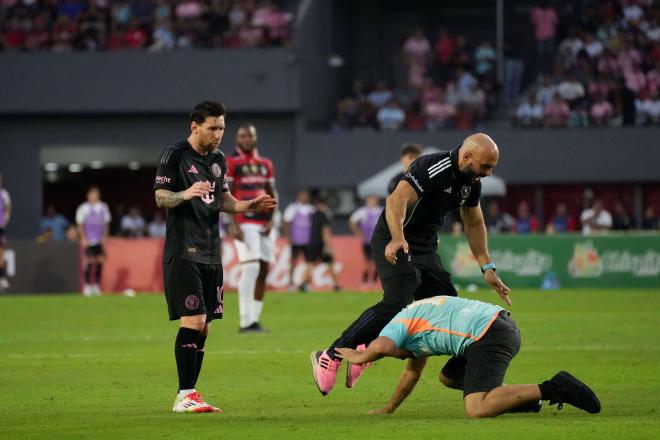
<point x="477" y="156"/>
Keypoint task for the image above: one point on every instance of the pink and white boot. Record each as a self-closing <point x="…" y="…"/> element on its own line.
<point x="353" y="371"/>
<point x="324" y="370"/>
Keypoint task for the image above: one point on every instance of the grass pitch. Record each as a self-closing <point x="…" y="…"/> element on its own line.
<point x="97" y="368"/>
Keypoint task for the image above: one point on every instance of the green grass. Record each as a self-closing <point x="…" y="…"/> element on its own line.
<point x="94" y="368"/>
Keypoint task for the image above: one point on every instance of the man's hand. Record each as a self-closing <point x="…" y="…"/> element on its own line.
<point x="498" y="286"/>
<point x="393" y="247"/>
<point x="197" y="189"/>
<point x="384" y="410"/>
<point x="262" y="203"/>
<point x="353" y="356"/>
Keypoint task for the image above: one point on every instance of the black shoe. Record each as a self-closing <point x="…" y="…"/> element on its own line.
<point x="255" y="327"/>
<point x="303" y="288"/>
<point x="532" y="407"/>
<point x="337" y="288"/>
<point x="565" y="388"/>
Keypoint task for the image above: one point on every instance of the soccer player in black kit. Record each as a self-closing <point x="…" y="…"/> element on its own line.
<point x="190" y="183"/>
<point x="405" y="245"/>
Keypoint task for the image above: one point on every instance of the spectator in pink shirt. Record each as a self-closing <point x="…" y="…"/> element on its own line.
<point x="628" y="57"/>
<point x="635" y="79"/>
<point x="430" y="92"/>
<point x="545" y="21"/>
<point x="556" y="113"/>
<point x="608" y="63"/>
<point x="439" y="113"/>
<point x="601" y="111"/>
<point x="417" y="47"/>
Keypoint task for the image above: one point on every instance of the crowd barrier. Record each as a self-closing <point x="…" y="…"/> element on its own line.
<point x="570" y="260"/>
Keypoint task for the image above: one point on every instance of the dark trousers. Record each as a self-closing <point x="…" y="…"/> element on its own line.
<point x="415" y="276"/>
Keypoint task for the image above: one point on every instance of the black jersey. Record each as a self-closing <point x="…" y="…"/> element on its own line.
<point x="394" y="181"/>
<point x="441" y="188"/>
<point x="319" y="221"/>
<point x="192" y="226"/>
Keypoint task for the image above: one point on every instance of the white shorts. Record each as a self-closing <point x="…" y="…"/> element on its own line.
<point x="255" y="245"/>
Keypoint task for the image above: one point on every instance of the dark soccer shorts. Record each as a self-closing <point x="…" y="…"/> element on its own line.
<point x="484" y="363"/>
<point x="304" y="250"/>
<point x="317" y="254"/>
<point x="95" y="250"/>
<point x="193" y="289"/>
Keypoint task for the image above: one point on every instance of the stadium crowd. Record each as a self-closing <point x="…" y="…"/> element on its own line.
<point x="154" y="25"/>
<point x="447" y="84"/>
<point x="605" y="71"/>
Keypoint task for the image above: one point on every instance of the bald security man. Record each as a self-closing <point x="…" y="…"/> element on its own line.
<point x="405" y="244"/>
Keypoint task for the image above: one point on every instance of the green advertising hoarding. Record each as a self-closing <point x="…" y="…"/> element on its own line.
<point x="631" y="260"/>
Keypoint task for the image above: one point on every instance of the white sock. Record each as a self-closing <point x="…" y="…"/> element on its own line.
<point x="257" y="306"/>
<point x="246" y="284"/>
<point x="184" y="393"/>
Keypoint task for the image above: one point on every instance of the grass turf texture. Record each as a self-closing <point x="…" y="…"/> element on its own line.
<point x="75" y="367"/>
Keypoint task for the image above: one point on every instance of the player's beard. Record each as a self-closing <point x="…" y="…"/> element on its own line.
<point x="470" y="173"/>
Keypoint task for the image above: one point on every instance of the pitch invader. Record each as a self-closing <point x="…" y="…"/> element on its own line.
<point x="5" y="214"/>
<point x="93" y="220"/>
<point x="250" y="175"/>
<point x="190" y="183"/>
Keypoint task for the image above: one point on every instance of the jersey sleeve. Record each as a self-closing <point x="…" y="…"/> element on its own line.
<point x="81" y="213"/>
<point x="475" y="195"/>
<point x="166" y="175"/>
<point x="5" y="195"/>
<point x="107" y="217"/>
<point x="358" y="216"/>
<point x="396" y="331"/>
<point x="429" y="173"/>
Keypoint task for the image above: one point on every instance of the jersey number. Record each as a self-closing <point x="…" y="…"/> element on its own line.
<point x="210" y="196"/>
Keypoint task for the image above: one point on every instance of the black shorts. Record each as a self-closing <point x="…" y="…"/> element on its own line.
<point x="415" y="276"/>
<point x="368" y="253"/>
<point x="317" y="254"/>
<point x="193" y="289"/>
<point x="3" y="237"/>
<point x="484" y="363"/>
<point x="95" y="250"/>
<point x="299" y="249"/>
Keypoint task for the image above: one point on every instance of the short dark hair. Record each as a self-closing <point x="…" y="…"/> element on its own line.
<point x="93" y="188"/>
<point x="246" y="126"/>
<point x="411" y="148"/>
<point x="205" y="109"/>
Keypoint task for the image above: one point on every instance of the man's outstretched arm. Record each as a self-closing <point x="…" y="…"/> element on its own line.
<point x="379" y="348"/>
<point x="407" y="382"/>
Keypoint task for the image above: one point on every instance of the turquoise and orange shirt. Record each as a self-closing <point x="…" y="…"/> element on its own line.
<point x="442" y="325"/>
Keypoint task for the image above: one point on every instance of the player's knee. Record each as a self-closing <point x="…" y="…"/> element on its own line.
<point x="197" y="322"/>
<point x="476" y="409"/>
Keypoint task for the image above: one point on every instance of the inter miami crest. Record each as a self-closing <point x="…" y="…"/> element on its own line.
<point x="465" y="192"/>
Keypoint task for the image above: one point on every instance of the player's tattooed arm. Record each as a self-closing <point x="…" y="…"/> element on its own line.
<point x="168" y="199"/>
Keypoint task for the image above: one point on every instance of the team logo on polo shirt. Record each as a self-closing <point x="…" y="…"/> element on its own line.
<point x="465" y="191"/>
<point x="215" y="169"/>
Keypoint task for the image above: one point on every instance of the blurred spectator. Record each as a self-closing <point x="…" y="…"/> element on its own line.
<point x="571" y="90"/>
<point x="380" y="96"/>
<point x="596" y="218"/>
<point x="648" y="109"/>
<point x="484" y="58"/>
<point x="132" y="224"/>
<point x="561" y="222"/>
<point x="72" y="234"/>
<point x="163" y="37"/>
<point x="649" y="219"/>
<point x="54" y="222"/>
<point x="444" y="48"/>
<point x="513" y="68"/>
<point x="601" y="111"/>
<point x="391" y="117"/>
<point x="417" y="47"/>
<point x="621" y="221"/>
<point x="496" y="220"/>
<point x="546" y="91"/>
<point x="556" y="113"/>
<point x="156" y="227"/>
<point x="529" y="113"/>
<point x="439" y="113"/>
<point x="525" y="222"/>
<point x="624" y="103"/>
<point x="545" y="21"/>
<point x="473" y="101"/>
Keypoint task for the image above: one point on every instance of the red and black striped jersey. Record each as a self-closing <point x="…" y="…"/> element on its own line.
<point x="249" y="175"/>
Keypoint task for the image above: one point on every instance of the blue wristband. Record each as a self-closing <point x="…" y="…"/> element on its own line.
<point x="487" y="266"/>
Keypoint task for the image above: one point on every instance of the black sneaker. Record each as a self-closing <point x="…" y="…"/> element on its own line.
<point x="253" y="328"/>
<point x="303" y="288"/>
<point x="532" y="407"/>
<point x="568" y="389"/>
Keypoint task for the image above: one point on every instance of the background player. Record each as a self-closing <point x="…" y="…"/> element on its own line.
<point x="93" y="220"/>
<point x="362" y="223"/>
<point x="405" y="242"/>
<point x="409" y="153"/>
<point x="319" y="249"/>
<point x="5" y="215"/>
<point x="250" y="175"/>
<point x="297" y="219"/>
<point x="481" y="334"/>
<point x="190" y="183"/>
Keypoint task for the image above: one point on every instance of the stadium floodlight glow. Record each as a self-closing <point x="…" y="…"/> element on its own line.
<point x="75" y="167"/>
<point x="96" y="164"/>
<point x="50" y="166"/>
<point x="134" y="165"/>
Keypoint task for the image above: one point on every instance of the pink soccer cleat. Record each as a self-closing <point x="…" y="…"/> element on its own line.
<point x="324" y="370"/>
<point x="353" y="371"/>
